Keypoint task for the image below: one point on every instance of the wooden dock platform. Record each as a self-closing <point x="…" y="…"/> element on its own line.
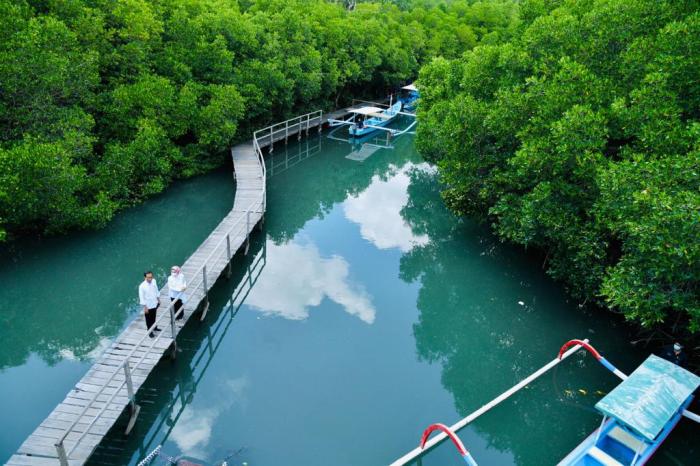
<point x="72" y="431"/>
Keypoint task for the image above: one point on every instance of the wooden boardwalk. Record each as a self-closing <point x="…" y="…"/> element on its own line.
<point x="75" y="427"/>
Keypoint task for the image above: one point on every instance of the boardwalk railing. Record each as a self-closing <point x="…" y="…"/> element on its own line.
<point x="124" y="374"/>
<point x="281" y="131"/>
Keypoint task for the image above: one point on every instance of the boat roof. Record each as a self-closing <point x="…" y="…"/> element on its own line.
<point x="410" y="87"/>
<point x="366" y="110"/>
<point x="648" y="399"/>
<point x="375" y="112"/>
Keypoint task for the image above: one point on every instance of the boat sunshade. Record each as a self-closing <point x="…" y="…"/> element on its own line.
<point x="367" y="110"/>
<point x="650" y="396"/>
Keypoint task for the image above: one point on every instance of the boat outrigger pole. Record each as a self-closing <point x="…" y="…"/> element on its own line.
<point x="416" y="452"/>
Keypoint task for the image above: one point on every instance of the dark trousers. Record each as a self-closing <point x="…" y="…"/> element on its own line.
<point x="179" y="314"/>
<point x="151" y="317"/>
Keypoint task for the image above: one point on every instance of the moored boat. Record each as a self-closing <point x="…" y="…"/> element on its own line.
<point x="638" y="415"/>
<point x="369" y="119"/>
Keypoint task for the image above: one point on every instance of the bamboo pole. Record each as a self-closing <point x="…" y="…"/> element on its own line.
<point x="416" y="452"/>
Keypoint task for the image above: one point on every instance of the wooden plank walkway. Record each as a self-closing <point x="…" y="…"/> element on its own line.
<point x="93" y="406"/>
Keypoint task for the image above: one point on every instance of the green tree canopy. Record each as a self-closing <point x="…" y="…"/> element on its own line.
<point x="578" y="135"/>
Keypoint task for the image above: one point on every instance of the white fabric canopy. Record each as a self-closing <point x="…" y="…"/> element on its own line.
<point x="367" y="110"/>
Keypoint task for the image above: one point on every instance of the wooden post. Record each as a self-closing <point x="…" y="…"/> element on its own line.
<point x="286" y="131"/>
<point x="228" y="255"/>
<point x="247" y="232"/>
<point x="61" y="450"/>
<point x="173" y="351"/>
<point x="133" y="407"/>
<point x="308" y="122"/>
<point x="206" y="293"/>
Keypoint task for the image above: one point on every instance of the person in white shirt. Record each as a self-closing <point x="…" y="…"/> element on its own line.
<point x="149" y="299"/>
<point x="176" y="290"/>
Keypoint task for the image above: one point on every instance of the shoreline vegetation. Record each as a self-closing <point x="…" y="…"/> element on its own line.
<point x="572" y="127"/>
<point x="579" y="136"/>
<point x="104" y="102"/>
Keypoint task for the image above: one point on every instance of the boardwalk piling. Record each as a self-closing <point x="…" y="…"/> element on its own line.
<point x="173" y="351"/>
<point x="206" y="293"/>
<point x="62" y="457"/>
<point x="133" y="407"/>
<point x="247" y="236"/>
<point x="228" y="256"/>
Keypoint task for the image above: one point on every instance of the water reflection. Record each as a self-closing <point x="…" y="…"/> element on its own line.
<point x="325" y="181"/>
<point x="193" y="430"/>
<point x="489" y="320"/>
<point x="299" y="278"/>
<point x="377" y="210"/>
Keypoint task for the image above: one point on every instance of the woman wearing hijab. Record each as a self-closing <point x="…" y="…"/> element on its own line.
<point x="176" y="288"/>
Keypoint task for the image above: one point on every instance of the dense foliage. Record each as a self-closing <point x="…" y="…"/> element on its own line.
<point x="580" y="135"/>
<point x="104" y="102"/>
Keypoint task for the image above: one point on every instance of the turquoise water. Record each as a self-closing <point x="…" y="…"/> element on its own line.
<point x="363" y="312"/>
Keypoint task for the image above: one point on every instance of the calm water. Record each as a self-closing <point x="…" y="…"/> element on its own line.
<point x="363" y="312"/>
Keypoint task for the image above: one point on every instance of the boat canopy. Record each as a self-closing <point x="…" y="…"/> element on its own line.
<point x="370" y="111"/>
<point x="410" y="87"/>
<point x="648" y="399"/>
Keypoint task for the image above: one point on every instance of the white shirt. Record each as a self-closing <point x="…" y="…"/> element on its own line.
<point x="148" y="294"/>
<point x="176" y="285"/>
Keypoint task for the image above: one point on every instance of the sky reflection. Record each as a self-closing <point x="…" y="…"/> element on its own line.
<point x="193" y="431"/>
<point x="297" y="278"/>
<point x="377" y="210"/>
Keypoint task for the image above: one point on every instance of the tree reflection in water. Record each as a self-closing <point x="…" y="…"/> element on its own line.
<point x="490" y="318"/>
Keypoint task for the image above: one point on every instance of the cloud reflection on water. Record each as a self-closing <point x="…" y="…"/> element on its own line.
<point x="193" y="430"/>
<point x="377" y="210"/>
<point x="296" y="278"/>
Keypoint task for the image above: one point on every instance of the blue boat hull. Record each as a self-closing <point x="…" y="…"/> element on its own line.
<point x="390" y="112"/>
<point x="410" y="101"/>
<point x="618" y="444"/>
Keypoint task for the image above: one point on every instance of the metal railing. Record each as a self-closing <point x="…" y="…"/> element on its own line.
<point x="223" y="246"/>
<point x="280" y="131"/>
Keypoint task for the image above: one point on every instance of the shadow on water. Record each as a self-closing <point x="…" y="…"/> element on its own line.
<point x="171" y="387"/>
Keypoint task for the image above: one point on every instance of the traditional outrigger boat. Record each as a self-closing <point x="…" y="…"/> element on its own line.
<point x="638" y="415"/>
<point x="366" y="120"/>
<point x="409" y="97"/>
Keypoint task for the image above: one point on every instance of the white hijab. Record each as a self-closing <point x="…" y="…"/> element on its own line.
<point x="176" y="280"/>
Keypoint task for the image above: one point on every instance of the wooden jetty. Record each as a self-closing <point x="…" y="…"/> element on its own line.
<point x="72" y="431"/>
